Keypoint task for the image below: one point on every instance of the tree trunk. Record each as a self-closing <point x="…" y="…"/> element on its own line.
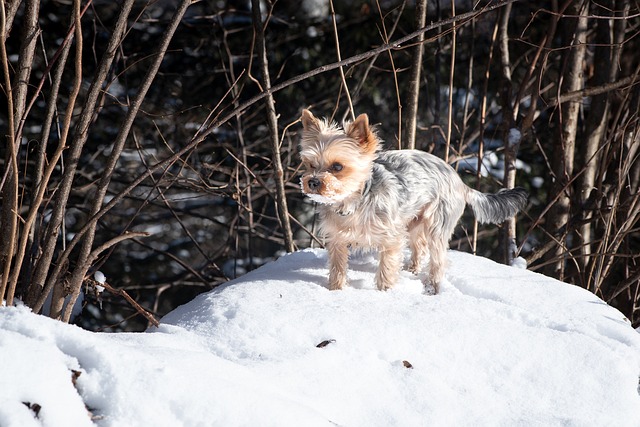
<point x="85" y="256"/>
<point x="511" y="137"/>
<point x="281" y="200"/>
<point x="80" y="137"/>
<point x="413" y="92"/>
<point x="18" y="93"/>
<point x="609" y="36"/>
<point x="562" y="161"/>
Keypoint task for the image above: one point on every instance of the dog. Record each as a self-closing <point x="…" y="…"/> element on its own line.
<point x="374" y="199"/>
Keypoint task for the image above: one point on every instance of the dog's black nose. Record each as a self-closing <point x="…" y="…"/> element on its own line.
<point x="314" y="183"/>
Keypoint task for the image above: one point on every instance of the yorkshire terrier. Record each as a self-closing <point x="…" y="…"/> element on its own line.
<point x="373" y="199"/>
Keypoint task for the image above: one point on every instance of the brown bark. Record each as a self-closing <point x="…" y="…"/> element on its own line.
<point x="17" y="90"/>
<point x="84" y="259"/>
<point x="73" y="156"/>
<point x="281" y="200"/>
<point x="608" y="38"/>
<point x="413" y="92"/>
<point x="511" y="136"/>
<point x="564" y="145"/>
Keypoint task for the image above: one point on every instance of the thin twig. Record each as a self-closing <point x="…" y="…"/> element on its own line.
<point x="10" y="195"/>
<point x="53" y="162"/>
<point x="80" y="137"/>
<point x="385" y="38"/>
<point x="281" y="199"/>
<point x="343" y="79"/>
<point x="413" y="92"/>
<point x="483" y="119"/>
<point x="126" y="296"/>
<point x="451" y="75"/>
<point x="84" y="259"/>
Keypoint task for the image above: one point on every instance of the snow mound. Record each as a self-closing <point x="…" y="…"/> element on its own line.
<point x="498" y="346"/>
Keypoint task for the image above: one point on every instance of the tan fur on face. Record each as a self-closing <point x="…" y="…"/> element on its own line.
<point x="325" y="145"/>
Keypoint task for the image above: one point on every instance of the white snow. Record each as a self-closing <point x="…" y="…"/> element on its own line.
<point x="514" y="136"/>
<point x="499" y="346"/>
<point x="519" y="262"/>
<point x="99" y="277"/>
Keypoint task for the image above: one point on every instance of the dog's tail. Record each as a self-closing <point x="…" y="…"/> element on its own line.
<point x="497" y="208"/>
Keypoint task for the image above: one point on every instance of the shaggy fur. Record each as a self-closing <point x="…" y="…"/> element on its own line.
<point x="374" y="199"/>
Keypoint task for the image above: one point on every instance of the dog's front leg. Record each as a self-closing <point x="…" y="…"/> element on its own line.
<point x="389" y="268"/>
<point x="338" y="263"/>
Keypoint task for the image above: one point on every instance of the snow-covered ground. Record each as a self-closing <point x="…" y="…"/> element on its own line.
<point x="499" y="346"/>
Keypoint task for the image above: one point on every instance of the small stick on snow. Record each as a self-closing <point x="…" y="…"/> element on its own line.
<point x="126" y="296"/>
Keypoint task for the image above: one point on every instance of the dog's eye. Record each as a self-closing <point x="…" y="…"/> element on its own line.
<point x="337" y="167"/>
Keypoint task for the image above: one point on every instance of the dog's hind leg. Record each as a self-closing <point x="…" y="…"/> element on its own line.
<point x="437" y="262"/>
<point x="437" y="236"/>
<point x="390" y="265"/>
<point x="439" y="227"/>
<point x="418" y="245"/>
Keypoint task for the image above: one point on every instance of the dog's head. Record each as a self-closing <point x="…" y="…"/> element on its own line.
<point x="338" y="161"/>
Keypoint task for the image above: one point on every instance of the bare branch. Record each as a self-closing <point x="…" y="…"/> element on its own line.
<point x="79" y="140"/>
<point x="413" y="92"/>
<point x="283" y="210"/>
<point x="85" y="259"/>
<point x="126" y="296"/>
<point x="343" y="79"/>
<point x="10" y="178"/>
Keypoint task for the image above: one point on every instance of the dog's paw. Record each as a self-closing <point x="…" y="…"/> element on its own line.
<point x="431" y="288"/>
<point x="335" y="286"/>
<point x="384" y="286"/>
<point x="414" y="269"/>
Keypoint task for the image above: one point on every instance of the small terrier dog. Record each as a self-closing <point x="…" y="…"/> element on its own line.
<point x="372" y="199"/>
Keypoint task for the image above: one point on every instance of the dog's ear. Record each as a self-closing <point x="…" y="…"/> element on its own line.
<point x="361" y="132"/>
<point x="309" y="121"/>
